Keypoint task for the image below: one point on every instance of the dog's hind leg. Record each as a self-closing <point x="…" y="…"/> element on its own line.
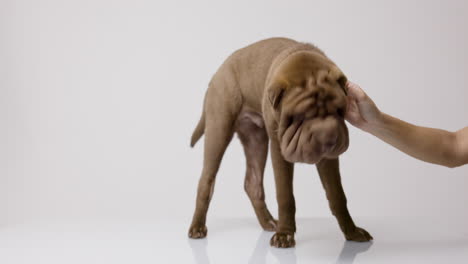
<point x="220" y="116"/>
<point x="254" y="139"/>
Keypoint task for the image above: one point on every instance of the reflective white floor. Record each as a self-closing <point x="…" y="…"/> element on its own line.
<point x="230" y="241"/>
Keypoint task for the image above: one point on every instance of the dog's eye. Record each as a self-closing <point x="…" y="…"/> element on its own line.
<point x="299" y="117"/>
<point x="289" y="121"/>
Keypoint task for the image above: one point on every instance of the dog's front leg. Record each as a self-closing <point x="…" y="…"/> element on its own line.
<point x="330" y="176"/>
<point x="283" y="171"/>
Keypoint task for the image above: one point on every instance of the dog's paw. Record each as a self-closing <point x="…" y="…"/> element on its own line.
<point x="283" y="240"/>
<point x="359" y="235"/>
<point x="270" y="225"/>
<point x="197" y="231"/>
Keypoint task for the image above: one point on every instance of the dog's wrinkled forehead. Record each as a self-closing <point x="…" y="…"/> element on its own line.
<point x="299" y="68"/>
<point x="306" y="70"/>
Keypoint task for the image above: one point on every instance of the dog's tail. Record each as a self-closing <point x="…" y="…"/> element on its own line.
<point x="199" y="130"/>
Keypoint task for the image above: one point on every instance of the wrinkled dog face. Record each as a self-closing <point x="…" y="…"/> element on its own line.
<point x="309" y="99"/>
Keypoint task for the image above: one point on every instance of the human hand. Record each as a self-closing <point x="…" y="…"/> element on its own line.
<point x="361" y="110"/>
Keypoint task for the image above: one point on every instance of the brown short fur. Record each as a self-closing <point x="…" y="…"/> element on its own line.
<point x="288" y="94"/>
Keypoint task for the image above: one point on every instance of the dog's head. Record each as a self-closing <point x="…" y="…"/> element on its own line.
<point x="308" y="96"/>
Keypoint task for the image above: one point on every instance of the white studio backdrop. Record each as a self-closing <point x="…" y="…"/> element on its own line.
<point x="98" y="100"/>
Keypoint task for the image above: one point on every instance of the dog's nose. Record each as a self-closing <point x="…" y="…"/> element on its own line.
<point x="327" y="140"/>
<point x="327" y="137"/>
<point x="329" y="145"/>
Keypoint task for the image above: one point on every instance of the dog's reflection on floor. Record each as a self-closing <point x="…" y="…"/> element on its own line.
<point x="199" y="251"/>
<point x="284" y="256"/>
<point x="350" y="250"/>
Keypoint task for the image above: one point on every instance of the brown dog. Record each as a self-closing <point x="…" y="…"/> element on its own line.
<point x="290" y="94"/>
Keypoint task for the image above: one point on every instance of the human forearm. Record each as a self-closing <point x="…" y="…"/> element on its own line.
<point x="427" y="144"/>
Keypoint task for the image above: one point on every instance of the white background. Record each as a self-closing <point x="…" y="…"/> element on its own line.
<point x="98" y="100"/>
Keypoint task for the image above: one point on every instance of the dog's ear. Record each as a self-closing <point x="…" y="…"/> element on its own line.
<point x="336" y="74"/>
<point x="342" y="80"/>
<point x="275" y="94"/>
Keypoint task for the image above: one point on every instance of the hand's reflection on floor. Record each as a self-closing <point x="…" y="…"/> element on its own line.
<point x="351" y="249"/>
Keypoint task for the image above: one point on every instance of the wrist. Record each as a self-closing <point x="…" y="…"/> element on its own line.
<point x="377" y="124"/>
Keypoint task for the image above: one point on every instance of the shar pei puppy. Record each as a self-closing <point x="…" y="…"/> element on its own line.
<point x="288" y="95"/>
